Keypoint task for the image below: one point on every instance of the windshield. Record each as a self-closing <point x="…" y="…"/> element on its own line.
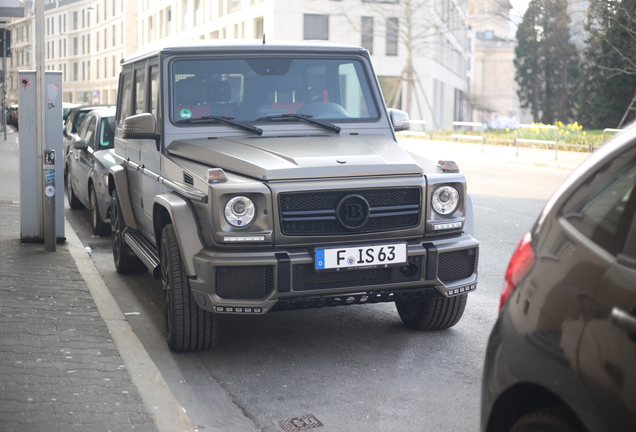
<point x="255" y="89"/>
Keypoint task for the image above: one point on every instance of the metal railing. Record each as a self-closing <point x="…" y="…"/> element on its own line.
<point x="473" y="125"/>
<point x="608" y="130"/>
<point x="537" y="141"/>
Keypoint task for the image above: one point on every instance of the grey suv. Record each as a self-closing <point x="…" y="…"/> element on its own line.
<point x="258" y="177"/>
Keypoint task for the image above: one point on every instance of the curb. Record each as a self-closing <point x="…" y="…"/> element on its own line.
<point x="165" y="410"/>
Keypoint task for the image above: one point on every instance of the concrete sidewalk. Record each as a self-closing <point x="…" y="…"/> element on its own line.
<point x="68" y="358"/>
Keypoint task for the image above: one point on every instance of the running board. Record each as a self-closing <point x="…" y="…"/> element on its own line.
<point x="146" y="252"/>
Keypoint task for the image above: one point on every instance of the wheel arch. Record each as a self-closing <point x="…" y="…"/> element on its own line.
<point x="118" y="180"/>
<point x="520" y="400"/>
<point x="171" y="208"/>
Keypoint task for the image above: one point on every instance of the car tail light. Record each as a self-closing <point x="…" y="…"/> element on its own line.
<point x="520" y="263"/>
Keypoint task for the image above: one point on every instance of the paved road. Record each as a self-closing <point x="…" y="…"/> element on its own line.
<point x="355" y="368"/>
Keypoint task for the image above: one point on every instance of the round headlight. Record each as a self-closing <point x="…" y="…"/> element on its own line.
<point x="239" y="211"/>
<point x="445" y="200"/>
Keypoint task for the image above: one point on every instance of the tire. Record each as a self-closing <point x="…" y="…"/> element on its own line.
<point x="99" y="227"/>
<point x="438" y="313"/>
<point x="189" y="328"/>
<point x="547" y="420"/>
<point x="73" y="200"/>
<point x="126" y="262"/>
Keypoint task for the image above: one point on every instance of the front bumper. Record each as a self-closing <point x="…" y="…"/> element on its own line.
<point x="260" y="281"/>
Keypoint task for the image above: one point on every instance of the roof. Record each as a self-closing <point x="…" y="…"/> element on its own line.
<point x="255" y="46"/>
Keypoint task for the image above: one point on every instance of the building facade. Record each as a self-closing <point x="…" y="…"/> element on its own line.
<point x="427" y="75"/>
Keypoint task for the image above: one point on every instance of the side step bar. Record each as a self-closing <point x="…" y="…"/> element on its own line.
<point x="146" y="252"/>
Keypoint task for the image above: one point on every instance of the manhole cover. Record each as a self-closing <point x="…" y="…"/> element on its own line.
<point x="300" y="423"/>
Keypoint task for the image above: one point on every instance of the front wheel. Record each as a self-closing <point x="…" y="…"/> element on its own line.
<point x="126" y="262"/>
<point x="437" y="313"/>
<point x="189" y="327"/>
<point x="73" y="200"/>
<point x="100" y="228"/>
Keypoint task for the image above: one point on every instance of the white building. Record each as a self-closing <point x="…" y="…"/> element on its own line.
<point x="85" y="39"/>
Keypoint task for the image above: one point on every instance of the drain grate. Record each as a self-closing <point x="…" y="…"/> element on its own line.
<point x="301" y="423"/>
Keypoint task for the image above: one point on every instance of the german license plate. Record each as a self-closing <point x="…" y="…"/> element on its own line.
<point x="361" y="256"/>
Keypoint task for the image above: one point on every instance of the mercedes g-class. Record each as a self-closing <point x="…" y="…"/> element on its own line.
<point x="256" y="177"/>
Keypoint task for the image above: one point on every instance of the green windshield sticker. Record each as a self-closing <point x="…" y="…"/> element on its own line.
<point x="185" y="113"/>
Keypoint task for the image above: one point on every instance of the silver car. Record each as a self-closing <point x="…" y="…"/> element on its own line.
<point x="87" y="164"/>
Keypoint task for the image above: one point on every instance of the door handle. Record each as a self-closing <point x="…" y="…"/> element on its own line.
<point x="624" y="319"/>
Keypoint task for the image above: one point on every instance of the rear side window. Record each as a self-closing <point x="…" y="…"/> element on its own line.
<point x="603" y="208"/>
<point x="125" y="103"/>
<point x="140" y="91"/>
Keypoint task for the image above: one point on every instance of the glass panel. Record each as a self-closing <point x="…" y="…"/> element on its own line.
<point x="253" y="89"/>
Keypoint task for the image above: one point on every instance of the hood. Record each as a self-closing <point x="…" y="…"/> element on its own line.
<point x="293" y="157"/>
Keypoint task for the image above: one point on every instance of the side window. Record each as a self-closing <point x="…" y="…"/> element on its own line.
<point x="603" y="208"/>
<point x="154" y="89"/>
<point x="107" y="133"/>
<point x="87" y="131"/>
<point x="140" y="91"/>
<point x="124" y="109"/>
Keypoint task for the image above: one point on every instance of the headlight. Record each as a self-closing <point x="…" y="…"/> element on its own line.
<point x="445" y="200"/>
<point x="239" y="211"/>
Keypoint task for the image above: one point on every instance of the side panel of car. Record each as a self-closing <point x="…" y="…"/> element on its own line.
<point x="128" y="148"/>
<point x="149" y="148"/>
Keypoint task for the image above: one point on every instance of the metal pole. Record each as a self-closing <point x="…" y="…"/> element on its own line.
<point x="4" y="82"/>
<point x="49" y="200"/>
<point x="47" y="214"/>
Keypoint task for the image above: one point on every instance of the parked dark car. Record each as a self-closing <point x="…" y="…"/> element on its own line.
<point x="562" y="354"/>
<point x="87" y="165"/>
<point x="72" y="122"/>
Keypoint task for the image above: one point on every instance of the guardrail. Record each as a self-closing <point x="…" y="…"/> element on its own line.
<point x="537" y="141"/>
<point x="422" y="124"/>
<point x="473" y="125"/>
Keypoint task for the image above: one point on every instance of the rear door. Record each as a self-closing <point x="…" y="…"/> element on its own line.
<point x="607" y="354"/>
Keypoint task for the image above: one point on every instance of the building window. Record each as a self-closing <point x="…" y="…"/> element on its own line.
<point x="233" y="5"/>
<point x="392" y="37"/>
<point x="184" y="15"/>
<point x="367" y="34"/>
<point x="316" y="27"/>
<point x="259" y="27"/>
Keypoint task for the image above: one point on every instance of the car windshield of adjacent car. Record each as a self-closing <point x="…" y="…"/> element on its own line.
<point x="271" y="89"/>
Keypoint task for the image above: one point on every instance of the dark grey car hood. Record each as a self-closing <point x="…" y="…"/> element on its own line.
<point x="293" y="157"/>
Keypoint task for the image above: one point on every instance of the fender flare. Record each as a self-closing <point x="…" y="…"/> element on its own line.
<point x="185" y="225"/>
<point x="469" y="223"/>
<point x="118" y="179"/>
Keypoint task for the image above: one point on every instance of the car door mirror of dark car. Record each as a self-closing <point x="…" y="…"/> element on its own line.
<point x="80" y="144"/>
<point x="141" y="126"/>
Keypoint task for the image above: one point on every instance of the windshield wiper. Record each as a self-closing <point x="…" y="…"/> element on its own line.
<point x="227" y="120"/>
<point x="305" y="117"/>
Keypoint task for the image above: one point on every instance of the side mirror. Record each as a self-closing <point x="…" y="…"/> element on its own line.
<point x="140" y="126"/>
<point x="399" y="119"/>
<point x="80" y="144"/>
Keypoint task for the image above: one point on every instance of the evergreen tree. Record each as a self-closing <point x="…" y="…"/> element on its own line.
<point x="609" y="69"/>
<point x="546" y="62"/>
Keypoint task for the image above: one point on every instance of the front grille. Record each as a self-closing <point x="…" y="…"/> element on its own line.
<point x="247" y="283"/>
<point x="306" y="278"/>
<point x="457" y="265"/>
<point x="316" y="213"/>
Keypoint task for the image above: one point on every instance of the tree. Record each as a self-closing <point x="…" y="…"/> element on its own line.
<point x="546" y="62"/>
<point x="424" y="28"/>
<point x="609" y="66"/>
